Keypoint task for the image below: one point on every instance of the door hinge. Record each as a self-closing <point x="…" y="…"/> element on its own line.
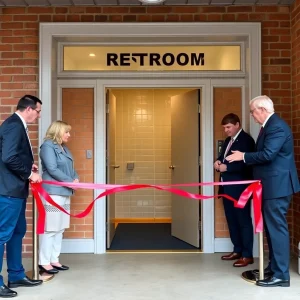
<point x="199" y="225"/>
<point x="107" y="108"/>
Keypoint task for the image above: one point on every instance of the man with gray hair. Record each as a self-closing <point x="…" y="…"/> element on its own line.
<point x="274" y="164"/>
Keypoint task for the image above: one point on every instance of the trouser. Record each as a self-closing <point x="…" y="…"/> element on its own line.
<point x="240" y="227"/>
<point x="50" y="247"/>
<point x="277" y="232"/>
<point x="12" y="231"/>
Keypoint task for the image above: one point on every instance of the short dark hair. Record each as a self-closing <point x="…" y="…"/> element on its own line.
<point x="230" y="118"/>
<point x="28" y="101"/>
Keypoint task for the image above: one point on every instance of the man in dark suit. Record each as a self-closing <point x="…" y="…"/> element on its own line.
<point x="239" y="220"/>
<point x="273" y="164"/>
<point x="16" y="169"/>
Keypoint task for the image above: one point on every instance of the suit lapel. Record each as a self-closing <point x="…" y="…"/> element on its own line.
<point x="260" y="137"/>
<point x="25" y="133"/>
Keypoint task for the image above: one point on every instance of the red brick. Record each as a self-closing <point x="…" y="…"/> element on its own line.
<point x="5" y="32"/>
<point x="45" y="18"/>
<point x="64" y="10"/>
<point x="12" y="55"/>
<point x="12" y="40"/>
<point x="25" y="18"/>
<point x="115" y="10"/>
<point x="76" y="10"/>
<point x="13" y="11"/>
<point x="40" y="10"/>
<point x="214" y="17"/>
<point x="12" y="70"/>
<point x="73" y="18"/>
<point x="24" y="78"/>
<point x="59" y="18"/>
<point x="213" y="9"/>
<point x="26" y="32"/>
<point x="279" y="17"/>
<point x="5" y="47"/>
<point x="25" y="62"/>
<point x="25" y="47"/>
<point x="11" y="86"/>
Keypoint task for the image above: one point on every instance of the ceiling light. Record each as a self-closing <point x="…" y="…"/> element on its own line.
<point x="152" y="1"/>
<point x="92" y="55"/>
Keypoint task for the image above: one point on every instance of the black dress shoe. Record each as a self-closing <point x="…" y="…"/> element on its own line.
<point x="27" y="282"/>
<point x="61" y="268"/>
<point x="5" y="292"/>
<point x="51" y="271"/>
<point x="272" y="282"/>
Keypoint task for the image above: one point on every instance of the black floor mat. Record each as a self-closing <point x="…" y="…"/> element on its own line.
<point x="146" y="236"/>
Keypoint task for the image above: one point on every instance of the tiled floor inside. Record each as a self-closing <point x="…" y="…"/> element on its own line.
<point x="159" y="276"/>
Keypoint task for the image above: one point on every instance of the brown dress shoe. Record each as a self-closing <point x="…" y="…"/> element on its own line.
<point x="243" y="262"/>
<point x="231" y="256"/>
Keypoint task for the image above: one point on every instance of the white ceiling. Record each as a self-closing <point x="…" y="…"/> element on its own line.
<point x="10" y="3"/>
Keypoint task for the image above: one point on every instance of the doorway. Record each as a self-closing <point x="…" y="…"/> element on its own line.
<point x="95" y="240"/>
<point x="153" y="137"/>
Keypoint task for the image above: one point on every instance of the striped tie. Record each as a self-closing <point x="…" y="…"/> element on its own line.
<point x="228" y="148"/>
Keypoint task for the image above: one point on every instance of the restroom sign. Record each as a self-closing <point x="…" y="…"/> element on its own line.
<point x="155" y="59"/>
<point x="152" y="58"/>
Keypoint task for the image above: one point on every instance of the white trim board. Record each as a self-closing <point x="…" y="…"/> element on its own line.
<point x="78" y="246"/>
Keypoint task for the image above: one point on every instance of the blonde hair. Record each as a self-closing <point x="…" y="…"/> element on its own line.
<point x="56" y="131"/>
<point x="263" y="101"/>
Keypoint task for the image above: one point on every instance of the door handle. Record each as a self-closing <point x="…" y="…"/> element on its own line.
<point x="115" y="166"/>
<point x="172" y="167"/>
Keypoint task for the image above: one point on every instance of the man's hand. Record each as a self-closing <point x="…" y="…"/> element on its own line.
<point x="222" y="168"/>
<point x="35" y="178"/>
<point x="216" y="165"/>
<point x="236" y="156"/>
<point x="35" y="168"/>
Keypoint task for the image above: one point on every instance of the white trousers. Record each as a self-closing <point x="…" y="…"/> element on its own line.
<point x="50" y="247"/>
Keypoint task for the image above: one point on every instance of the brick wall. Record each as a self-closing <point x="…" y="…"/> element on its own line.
<point x="295" y="33"/>
<point x="19" y="46"/>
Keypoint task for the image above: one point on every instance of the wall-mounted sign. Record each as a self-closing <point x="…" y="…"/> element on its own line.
<point x="152" y="58"/>
<point x="155" y="59"/>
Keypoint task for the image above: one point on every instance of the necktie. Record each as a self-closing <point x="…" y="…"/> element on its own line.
<point x="228" y="148"/>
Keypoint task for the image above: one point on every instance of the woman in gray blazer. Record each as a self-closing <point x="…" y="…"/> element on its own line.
<point x="57" y="165"/>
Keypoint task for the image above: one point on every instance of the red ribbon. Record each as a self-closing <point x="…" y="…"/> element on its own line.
<point x="254" y="189"/>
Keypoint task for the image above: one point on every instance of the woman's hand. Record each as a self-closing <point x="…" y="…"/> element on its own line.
<point x="75" y="181"/>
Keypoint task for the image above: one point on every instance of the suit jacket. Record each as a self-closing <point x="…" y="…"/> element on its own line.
<point x="57" y="165"/>
<point x="274" y="162"/>
<point x="16" y="158"/>
<point x="237" y="170"/>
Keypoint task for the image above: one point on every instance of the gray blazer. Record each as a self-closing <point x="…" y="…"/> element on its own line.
<point x="57" y="165"/>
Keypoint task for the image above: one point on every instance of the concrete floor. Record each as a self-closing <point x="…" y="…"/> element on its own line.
<point x="159" y="276"/>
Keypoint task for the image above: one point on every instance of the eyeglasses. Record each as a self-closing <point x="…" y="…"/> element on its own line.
<point x="38" y="111"/>
<point x="252" y="110"/>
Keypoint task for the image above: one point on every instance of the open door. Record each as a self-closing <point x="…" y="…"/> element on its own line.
<point x="185" y="165"/>
<point x="110" y="164"/>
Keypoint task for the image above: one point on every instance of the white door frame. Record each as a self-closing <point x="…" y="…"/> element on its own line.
<point x="52" y="33"/>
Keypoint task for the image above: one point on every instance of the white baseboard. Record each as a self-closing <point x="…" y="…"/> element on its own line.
<point x="78" y="246"/>
<point x="223" y="245"/>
